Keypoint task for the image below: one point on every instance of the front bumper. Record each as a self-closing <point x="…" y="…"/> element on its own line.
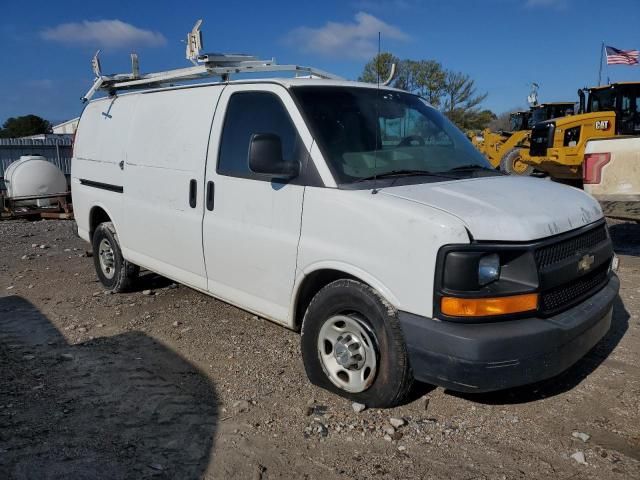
<point x="494" y="356"/>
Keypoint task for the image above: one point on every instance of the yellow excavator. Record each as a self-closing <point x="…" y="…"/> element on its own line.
<point x="557" y="145"/>
<point x="508" y="150"/>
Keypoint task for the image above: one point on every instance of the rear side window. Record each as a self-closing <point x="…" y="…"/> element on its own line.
<point x="249" y="113"/>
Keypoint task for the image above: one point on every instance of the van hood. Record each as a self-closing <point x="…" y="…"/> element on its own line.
<point x="506" y="208"/>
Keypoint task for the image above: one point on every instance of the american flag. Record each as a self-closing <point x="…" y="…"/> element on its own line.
<point x="622" y="57"/>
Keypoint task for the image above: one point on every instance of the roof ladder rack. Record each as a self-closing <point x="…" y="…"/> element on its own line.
<point x="205" y="65"/>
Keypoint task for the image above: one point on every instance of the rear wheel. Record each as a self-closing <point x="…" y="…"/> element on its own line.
<point x="114" y="272"/>
<point x="352" y="344"/>
<point x="512" y="163"/>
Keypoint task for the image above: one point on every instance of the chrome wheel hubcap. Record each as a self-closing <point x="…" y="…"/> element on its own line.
<point x="348" y="353"/>
<point x="107" y="258"/>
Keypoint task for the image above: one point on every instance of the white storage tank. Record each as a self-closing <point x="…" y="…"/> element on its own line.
<point x="33" y="175"/>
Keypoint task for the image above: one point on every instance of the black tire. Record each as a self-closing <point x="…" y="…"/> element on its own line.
<point x="393" y="378"/>
<point x="507" y="164"/>
<point x="124" y="273"/>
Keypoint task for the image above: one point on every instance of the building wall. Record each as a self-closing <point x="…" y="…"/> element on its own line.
<point x="66" y="127"/>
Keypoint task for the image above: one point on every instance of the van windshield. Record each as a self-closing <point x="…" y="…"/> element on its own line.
<point x="364" y="132"/>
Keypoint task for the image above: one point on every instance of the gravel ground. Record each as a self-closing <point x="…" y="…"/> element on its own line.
<point x="165" y="382"/>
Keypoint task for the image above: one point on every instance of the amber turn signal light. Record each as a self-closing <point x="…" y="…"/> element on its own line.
<point x="486" y="307"/>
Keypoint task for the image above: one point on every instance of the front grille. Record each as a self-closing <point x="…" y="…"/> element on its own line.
<point x="569" y="294"/>
<point x="552" y="254"/>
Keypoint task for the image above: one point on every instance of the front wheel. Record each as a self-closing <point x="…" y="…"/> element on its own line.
<point x="352" y="344"/>
<point x="512" y="163"/>
<point x="114" y="272"/>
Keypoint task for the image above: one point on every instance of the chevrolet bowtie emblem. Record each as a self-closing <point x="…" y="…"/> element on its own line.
<point x="584" y="265"/>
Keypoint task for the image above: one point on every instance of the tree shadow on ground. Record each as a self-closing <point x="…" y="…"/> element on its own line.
<point x="116" y="407"/>
<point x="566" y="380"/>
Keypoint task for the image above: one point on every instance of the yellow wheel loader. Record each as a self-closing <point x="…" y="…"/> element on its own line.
<point x="495" y="145"/>
<point x="557" y="145"/>
<point x="508" y="151"/>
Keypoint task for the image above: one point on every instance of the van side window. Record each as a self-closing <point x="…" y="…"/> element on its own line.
<point x="249" y="113"/>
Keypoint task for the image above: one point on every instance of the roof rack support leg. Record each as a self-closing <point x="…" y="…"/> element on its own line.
<point x="94" y="88"/>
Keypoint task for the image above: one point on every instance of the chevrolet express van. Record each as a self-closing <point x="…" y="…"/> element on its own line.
<point x="359" y="216"/>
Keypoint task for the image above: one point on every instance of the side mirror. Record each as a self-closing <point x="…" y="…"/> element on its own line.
<point x="265" y="158"/>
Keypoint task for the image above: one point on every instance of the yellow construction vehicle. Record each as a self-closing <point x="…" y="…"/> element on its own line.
<point x="495" y="145"/>
<point x="557" y="145"/>
<point x="507" y="150"/>
<point x="517" y="121"/>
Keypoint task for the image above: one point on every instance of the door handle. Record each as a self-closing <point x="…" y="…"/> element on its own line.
<point x="193" y="193"/>
<point x="121" y="164"/>
<point x="210" y="193"/>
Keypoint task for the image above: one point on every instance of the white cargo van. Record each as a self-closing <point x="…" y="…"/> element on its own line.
<point x="358" y="215"/>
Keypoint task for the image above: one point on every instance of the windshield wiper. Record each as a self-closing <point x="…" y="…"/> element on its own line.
<point x="472" y="167"/>
<point x="403" y="173"/>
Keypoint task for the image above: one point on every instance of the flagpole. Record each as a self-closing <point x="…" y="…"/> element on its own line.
<point x="600" y="69"/>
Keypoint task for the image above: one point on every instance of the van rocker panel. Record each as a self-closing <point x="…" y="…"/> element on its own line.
<point x="494" y="356"/>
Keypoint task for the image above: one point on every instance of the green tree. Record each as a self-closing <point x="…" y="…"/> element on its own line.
<point x="24" y="126"/>
<point x="423" y="77"/>
<point x="480" y="120"/>
<point x="461" y="99"/>
<point x="378" y="68"/>
<point x="454" y="93"/>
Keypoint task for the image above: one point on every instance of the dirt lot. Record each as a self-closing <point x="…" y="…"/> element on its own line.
<point x="173" y="384"/>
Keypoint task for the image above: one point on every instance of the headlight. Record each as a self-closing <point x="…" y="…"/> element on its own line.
<point x="488" y="269"/>
<point x="572" y="136"/>
<point x="471" y="270"/>
<point x="484" y="281"/>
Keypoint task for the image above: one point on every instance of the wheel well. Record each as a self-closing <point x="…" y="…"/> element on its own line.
<point x="311" y="285"/>
<point x="96" y="217"/>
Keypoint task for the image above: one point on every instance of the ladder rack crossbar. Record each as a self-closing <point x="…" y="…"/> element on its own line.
<point x="205" y="65"/>
<point x="113" y="83"/>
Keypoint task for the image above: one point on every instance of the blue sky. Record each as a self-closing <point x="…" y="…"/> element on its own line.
<point x="46" y="47"/>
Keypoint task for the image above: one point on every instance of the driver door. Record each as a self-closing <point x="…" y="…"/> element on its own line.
<point x="251" y="224"/>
